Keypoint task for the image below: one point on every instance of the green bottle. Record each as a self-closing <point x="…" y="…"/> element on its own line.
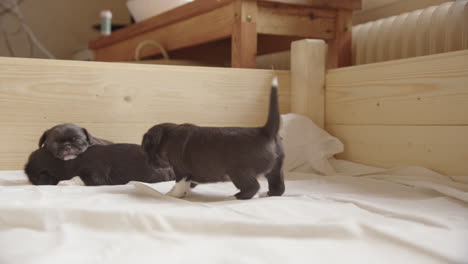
<point x="106" y="21"/>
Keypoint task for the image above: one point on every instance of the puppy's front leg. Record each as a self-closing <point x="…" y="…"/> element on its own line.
<point x="181" y="188"/>
<point x="95" y="177"/>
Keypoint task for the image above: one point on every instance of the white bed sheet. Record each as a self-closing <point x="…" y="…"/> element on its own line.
<point x="407" y="215"/>
<point x="356" y="214"/>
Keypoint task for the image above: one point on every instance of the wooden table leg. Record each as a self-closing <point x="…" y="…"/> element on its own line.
<point x="244" y="35"/>
<point x="339" y="49"/>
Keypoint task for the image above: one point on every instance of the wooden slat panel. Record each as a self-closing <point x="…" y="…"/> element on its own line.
<point x="57" y="91"/>
<point x="172" y="16"/>
<point x="429" y="90"/>
<point x="210" y="26"/>
<point x="441" y="148"/>
<point x="294" y="21"/>
<point x="120" y="101"/>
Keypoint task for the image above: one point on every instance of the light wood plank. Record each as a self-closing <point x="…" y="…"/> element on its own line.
<point x="443" y="149"/>
<point x="244" y="35"/>
<point x="120" y="101"/>
<point x="59" y="91"/>
<point x="210" y="26"/>
<point x="429" y="90"/>
<point x="308" y="79"/>
<point x="296" y="21"/>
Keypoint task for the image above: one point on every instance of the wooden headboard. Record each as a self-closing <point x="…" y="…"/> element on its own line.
<point x="120" y="101"/>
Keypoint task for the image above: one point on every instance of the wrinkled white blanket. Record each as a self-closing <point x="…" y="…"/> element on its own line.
<point x="356" y="214"/>
<point x="320" y="219"/>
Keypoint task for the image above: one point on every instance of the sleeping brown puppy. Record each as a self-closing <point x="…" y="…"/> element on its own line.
<point x="67" y="141"/>
<point x="213" y="154"/>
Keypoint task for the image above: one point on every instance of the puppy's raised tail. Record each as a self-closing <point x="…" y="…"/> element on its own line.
<point x="273" y="122"/>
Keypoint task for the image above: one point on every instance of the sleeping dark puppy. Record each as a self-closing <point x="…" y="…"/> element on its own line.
<point x="213" y="154"/>
<point x="67" y="141"/>
<point x="100" y="165"/>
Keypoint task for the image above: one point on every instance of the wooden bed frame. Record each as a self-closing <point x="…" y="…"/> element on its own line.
<point x="405" y="112"/>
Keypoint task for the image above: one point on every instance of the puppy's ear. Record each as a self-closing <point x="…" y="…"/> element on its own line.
<point x="43" y="138"/>
<point x="146" y="142"/>
<point x="151" y="141"/>
<point x="151" y="145"/>
<point x="89" y="138"/>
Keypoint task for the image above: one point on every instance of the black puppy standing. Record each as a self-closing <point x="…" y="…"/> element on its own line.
<point x="214" y="154"/>
<point x="99" y="165"/>
<point x="67" y="141"/>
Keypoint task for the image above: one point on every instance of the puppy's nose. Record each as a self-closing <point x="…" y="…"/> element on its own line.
<point x="67" y="147"/>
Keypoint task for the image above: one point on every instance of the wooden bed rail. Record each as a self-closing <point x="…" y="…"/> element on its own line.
<point x="403" y="112"/>
<point x="120" y="101"/>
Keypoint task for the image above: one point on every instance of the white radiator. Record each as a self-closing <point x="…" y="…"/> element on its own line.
<point x="436" y="29"/>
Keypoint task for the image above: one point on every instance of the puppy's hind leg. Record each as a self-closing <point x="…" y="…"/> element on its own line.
<point x="247" y="184"/>
<point x="275" y="179"/>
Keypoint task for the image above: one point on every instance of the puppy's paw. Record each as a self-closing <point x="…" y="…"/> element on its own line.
<point x="180" y="189"/>
<point x="66" y="183"/>
<point x="177" y="193"/>
<point x="75" y="181"/>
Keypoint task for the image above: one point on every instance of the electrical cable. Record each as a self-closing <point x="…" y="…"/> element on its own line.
<point x="7" y="9"/>
<point x="14" y="9"/>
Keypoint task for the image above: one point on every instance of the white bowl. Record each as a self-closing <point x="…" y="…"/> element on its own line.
<point x="143" y="9"/>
